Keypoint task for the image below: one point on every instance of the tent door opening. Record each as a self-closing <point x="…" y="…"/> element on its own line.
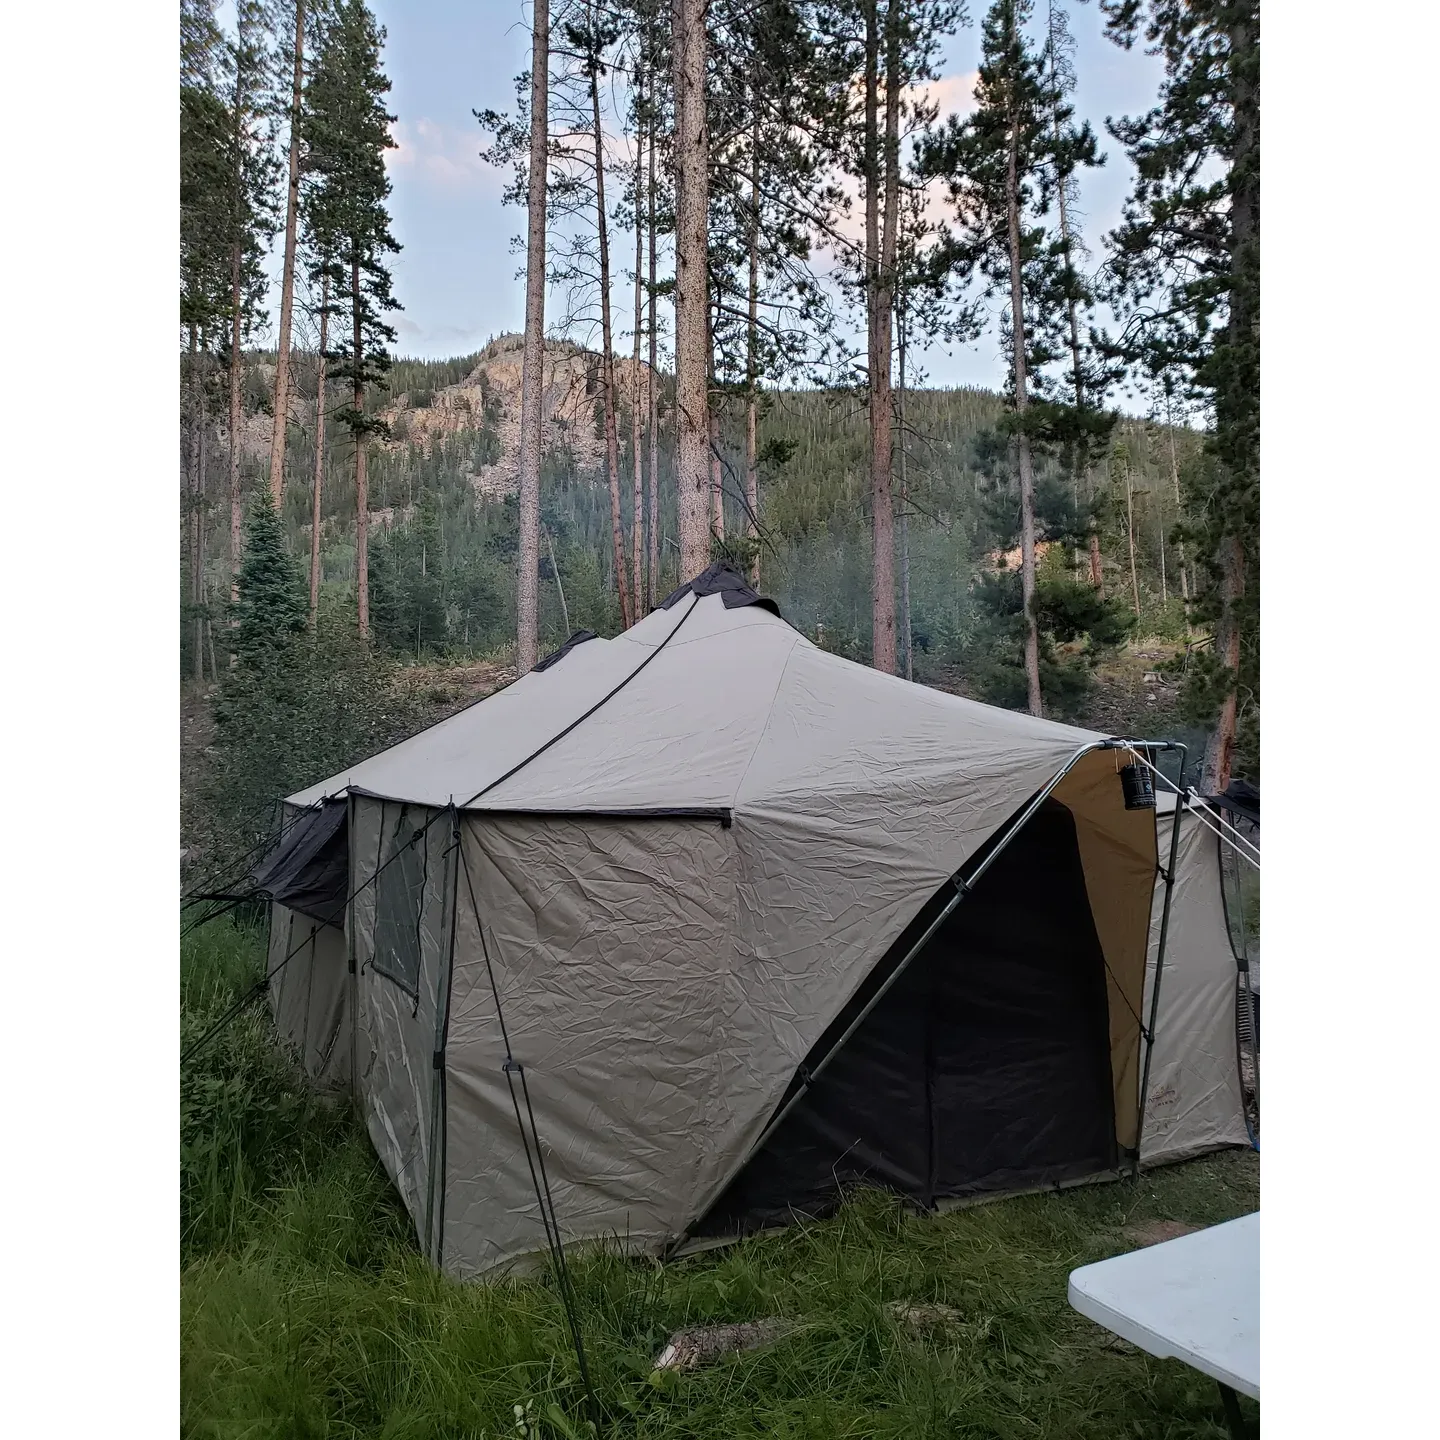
<point x="985" y="1067"/>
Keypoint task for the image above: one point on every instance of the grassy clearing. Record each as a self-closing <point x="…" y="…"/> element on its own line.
<point x="306" y="1310"/>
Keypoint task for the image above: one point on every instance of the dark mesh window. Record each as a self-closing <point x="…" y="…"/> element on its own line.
<point x="399" y="897"/>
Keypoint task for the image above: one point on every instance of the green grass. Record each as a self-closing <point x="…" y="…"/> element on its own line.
<point x="307" y="1311"/>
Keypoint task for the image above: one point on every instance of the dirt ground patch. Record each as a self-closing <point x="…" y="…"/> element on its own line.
<point x="1157" y="1232"/>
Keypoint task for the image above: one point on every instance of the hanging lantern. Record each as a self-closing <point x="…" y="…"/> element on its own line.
<point x="1139" y="789"/>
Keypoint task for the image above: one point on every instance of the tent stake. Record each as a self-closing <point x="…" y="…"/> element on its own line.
<point x="1159" y="963"/>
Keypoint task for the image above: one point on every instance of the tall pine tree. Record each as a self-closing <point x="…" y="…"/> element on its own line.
<point x="1004" y="168"/>
<point x="1186" y="264"/>
<point x="532" y="383"/>
<point x="994" y="165"/>
<point x="270" y="606"/>
<point x="250" y="221"/>
<point x="205" y="173"/>
<point x="294" y="33"/>
<point x="350" y="127"/>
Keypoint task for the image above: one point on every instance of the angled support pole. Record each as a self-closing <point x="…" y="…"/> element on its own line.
<point x="1169" y="875"/>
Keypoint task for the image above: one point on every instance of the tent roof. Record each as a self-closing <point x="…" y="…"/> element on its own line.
<point x="710" y="702"/>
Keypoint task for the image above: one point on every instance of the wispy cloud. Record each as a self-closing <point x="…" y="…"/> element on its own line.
<point x="953" y="94"/>
<point x="446" y="156"/>
<point x="430" y="342"/>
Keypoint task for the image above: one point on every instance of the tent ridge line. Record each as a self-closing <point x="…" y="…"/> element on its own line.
<point x="770" y="714"/>
<point x="574" y="724"/>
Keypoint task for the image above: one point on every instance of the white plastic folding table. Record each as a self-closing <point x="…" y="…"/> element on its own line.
<point x="1196" y="1298"/>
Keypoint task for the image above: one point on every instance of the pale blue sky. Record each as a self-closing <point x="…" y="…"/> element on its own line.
<point x="456" y="273"/>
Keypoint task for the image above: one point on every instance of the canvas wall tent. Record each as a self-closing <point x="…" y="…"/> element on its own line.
<point x="665" y="876"/>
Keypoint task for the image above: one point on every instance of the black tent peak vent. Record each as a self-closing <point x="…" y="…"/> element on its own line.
<point x="578" y="638"/>
<point x="725" y="580"/>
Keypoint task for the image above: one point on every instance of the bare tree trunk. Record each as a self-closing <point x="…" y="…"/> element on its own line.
<point x="1237" y="397"/>
<point x="717" y="494"/>
<point x="752" y="365"/>
<point x="717" y="480"/>
<point x="1160" y="526"/>
<point x="652" y="390"/>
<point x="362" y="483"/>
<point x="1022" y="440"/>
<point x="197" y="505"/>
<point x="637" y="424"/>
<point x="559" y="584"/>
<point x="210" y="638"/>
<point x="607" y="367"/>
<point x="319" y="452"/>
<point x="905" y="627"/>
<point x="236" y="515"/>
<point x="532" y="383"/>
<point x="1179" y="507"/>
<point x="287" y="276"/>
<point x="879" y="265"/>
<point x="1130" y="536"/>
<point x="692" y="163"/>
<point x="1220" y="751"/>
<point x="1080" y="456"/>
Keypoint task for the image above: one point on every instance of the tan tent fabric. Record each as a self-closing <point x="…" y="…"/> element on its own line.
<point x="310" y="994"/>
<point x="1118" y="853"/>
<point x="1195" y="1102"/>
<point x="611" y="953"/>
<point x="662" y="975"/>
<point x="401" y="1029"/>
<point x="454" y="759"/>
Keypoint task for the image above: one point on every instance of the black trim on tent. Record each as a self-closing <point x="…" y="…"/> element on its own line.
<point x="722" y="813"/>
<point x="985" y="1067"/>
<point x="308" y="871"/>
<point x="578" y="638"/>
<point x="723" y="579"/>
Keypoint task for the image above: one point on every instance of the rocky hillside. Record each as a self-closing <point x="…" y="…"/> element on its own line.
<point x="572" y="397"/>
<point x="489" y="397"/>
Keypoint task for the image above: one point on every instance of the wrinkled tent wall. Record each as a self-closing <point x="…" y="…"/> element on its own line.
<point x="1194" y="1103"/>
<point x="609" y="940"/>
<point x="310" y="994"/>
<point x="310" y="985"/>
<point x="399" y="994"/>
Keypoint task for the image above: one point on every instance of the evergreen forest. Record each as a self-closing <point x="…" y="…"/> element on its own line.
<point x="753" y="218"/>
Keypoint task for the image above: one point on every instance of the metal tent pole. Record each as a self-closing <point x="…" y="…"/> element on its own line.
<point x="1169" y="874"/>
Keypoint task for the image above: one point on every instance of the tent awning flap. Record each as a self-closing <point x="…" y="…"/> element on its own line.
<point x="309" y="870"/>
